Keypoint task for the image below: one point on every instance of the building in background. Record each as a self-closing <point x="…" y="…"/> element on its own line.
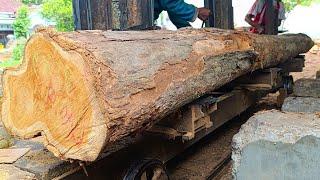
<point x="8" y="9"/>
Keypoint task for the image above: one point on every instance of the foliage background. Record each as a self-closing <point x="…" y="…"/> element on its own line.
<point x="22" y="22"/>
<point x="290" y="4"/>
<point x="17" y="55"/>
<point x="32" y="2"/>
<point x="59" y="11"/>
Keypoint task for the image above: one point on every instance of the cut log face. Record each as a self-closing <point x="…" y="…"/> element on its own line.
<point x="49" y="95"/>
<point x="85" y="90"/>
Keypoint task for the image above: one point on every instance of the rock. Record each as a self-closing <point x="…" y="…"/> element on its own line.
<point x="307" y="88"/>
<point x="42" y="163"/>
<point x="38" y="163"/>
<point x="277" y="145"/>
<point x="301" y="104"/>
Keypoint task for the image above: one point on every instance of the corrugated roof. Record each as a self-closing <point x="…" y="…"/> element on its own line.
<point x="9" y="5"/>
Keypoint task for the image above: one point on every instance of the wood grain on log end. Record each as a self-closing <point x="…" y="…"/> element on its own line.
<point x="51" y="94"/>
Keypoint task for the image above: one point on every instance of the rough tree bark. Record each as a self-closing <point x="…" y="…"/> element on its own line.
<point x="85" y="90"/>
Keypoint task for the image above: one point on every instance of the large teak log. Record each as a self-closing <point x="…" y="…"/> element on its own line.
<point x="85" y="90"/>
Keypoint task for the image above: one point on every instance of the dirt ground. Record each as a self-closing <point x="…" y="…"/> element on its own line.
<point x="4" y="56"/>
<point x="312" y="65"/>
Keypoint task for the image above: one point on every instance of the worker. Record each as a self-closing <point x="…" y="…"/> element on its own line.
<point x="180" y="13"/>
<point x="256" y="15"/>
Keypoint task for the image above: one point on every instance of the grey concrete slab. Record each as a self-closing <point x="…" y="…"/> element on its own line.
<point x="301" y="104"/>
<point x="269" y="160"/>
<point x="10" y="172"/>
<point x="307" y="88"/>
<point x="41" y="162"/>
<point x="277" y="145"/>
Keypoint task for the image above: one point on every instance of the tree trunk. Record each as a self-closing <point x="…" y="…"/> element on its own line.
<point x="85" y="90"/>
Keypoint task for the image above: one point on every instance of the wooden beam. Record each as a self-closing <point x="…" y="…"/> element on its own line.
<point x="92" y="14"/>
<point x="222" y="14"/>
<point x="113" y="14"/>
<point x="271" y="19"/>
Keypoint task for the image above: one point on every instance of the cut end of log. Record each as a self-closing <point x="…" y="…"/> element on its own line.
<point x="50" y="94"/>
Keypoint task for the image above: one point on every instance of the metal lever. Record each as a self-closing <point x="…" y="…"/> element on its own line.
<point x="82" y="165"/>
<point x="203" y="23"/>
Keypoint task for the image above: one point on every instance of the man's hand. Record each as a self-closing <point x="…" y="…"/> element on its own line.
<point x="203" y="13"/>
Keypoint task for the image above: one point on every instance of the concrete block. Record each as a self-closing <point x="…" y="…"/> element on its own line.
<point x="42" y="163"/>
<point x="10" y="172"/>
<point x="301" y="104"/>
<point x="37" y="163"/>
<point x="277" y="145"/>
<point x="307" y="88"/>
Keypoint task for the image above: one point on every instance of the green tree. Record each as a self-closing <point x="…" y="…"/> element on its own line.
<point x="290" y="4"/>
<point x="17" y="54"/>
<point x="21" y="23"/>
<point x="18" y="51"/>
<point x="59" y="11"/>
<point x="27" y="2"/>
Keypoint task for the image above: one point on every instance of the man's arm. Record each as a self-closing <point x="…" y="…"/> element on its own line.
<point x="185" y="11"/>
<point x="203" y="13"/>
<point x="248" y="19"/>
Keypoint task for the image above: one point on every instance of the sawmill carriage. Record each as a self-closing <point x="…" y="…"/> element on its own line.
<point x="169" y="137"/>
